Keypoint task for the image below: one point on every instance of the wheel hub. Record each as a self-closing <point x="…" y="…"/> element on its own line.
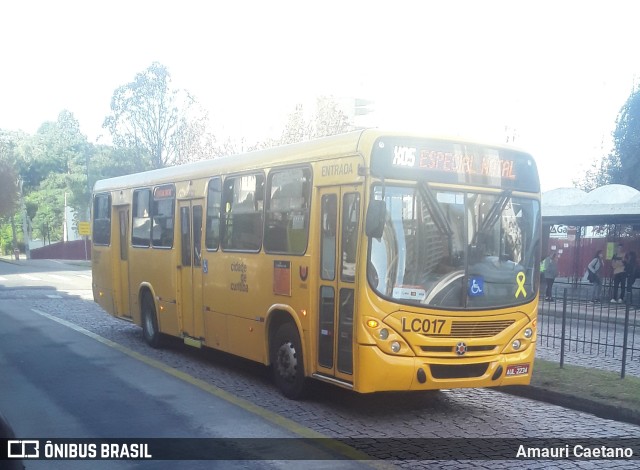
<point x="287" y="362"/>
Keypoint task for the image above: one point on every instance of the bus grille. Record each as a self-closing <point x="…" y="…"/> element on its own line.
<point x="477" y="329"/>
<point x="439" y="371"/>
<point x="450" y="349"/>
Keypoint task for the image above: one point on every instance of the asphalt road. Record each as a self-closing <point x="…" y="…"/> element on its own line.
<point x="58" y="382"/>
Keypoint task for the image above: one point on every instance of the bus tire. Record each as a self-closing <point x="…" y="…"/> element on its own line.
<point x="150" y="331"/>
<point x="287" y="363"/>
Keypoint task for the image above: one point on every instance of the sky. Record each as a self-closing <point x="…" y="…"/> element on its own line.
<point x="548" y="76"/>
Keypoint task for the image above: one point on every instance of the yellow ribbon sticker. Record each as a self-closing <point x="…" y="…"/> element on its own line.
<point x="520" y="279"/>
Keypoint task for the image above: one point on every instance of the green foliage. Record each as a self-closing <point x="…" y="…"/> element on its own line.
<point x="627" y="144"/>
<point x="6" y="238"/>
<point x="45" y="207"/>
<point x="8" y="188"/>
<point x="623" y="165"/>
<point x="598" y="175"/>
<point x="601" y="386"/>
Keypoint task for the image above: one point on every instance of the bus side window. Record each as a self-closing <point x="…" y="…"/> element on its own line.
<point x="214" y="198"/>
<point x="243" y="200"/>
<point x="163" y="216"/>
<point x="141" y="226"/>
<point x="102" y="219"/>
<point x="286" y="228"/>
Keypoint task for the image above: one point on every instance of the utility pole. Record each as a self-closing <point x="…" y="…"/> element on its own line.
<point x="25" y="222"/>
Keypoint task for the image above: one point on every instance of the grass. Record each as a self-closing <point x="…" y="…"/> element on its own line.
<point x="600" y="386"/>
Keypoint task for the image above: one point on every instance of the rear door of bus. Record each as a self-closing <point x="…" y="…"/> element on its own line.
<point x="190" y="268"/>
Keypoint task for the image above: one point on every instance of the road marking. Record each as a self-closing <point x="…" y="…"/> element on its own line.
<point x="86" y="276"/>
<point x="58" y="276"/>
<point x="3" y="278"/>
<point x="275" y="418"/>
<point x="53" y="296"/>
<point x="30" y="277"/>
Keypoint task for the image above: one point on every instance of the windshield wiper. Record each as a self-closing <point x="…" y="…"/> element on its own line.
<point x="439" y="218"/>
<point x="493" y="215"/>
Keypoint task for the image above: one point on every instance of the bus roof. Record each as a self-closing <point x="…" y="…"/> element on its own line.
<point x="360" y="141"/>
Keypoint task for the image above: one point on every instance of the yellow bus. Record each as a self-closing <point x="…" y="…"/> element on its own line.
<point x="373" y="261"/>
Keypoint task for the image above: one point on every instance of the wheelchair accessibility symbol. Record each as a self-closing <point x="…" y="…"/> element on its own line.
<point x="476" y="286"/>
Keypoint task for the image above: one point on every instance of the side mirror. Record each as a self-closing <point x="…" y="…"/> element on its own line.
<point x="376" y="216"/>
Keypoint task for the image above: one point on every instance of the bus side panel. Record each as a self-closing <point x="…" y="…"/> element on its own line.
<point x="215" y="330"/>
<point x="239" y="290"/>
<point x="102" y="275"/>
<point x="154" y="267"/>
<point x="236" y="298"/>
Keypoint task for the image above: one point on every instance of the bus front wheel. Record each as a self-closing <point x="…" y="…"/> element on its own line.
<point x="287" y="363"/>
<point x="150" y="330"/>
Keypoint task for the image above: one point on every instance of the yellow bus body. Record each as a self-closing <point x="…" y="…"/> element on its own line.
<point x="235" y="300"/>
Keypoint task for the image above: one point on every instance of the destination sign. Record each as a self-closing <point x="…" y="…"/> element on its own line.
<point x="454" y="162"/>
<point x="163" y="192"/>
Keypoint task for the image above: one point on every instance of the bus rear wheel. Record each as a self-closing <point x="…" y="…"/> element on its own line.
<point x="287" y="362"/>
<point x="150" y="330"/>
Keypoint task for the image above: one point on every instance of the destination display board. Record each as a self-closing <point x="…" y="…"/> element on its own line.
<point x="447" y="161"/>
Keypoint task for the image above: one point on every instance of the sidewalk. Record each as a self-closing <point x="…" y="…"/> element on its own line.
<point x="23" y="261"/>
<point x="565" y="400"/>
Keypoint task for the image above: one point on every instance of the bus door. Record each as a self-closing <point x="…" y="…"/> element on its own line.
<point x="123" y="306"/>
<point x="190" y="269"/>
<point x="340" y="215"/>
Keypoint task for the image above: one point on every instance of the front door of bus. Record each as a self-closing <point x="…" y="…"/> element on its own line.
<point x="190" y="268"/>
<point x="340" y="216"/>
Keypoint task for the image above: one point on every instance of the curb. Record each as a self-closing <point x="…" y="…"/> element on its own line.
<point x="601" y="410"/>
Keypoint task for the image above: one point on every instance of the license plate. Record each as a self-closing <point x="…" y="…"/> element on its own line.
<point x="517" y="369"/>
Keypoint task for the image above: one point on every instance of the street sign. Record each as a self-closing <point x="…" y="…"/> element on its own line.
<point x="84" y="228"/>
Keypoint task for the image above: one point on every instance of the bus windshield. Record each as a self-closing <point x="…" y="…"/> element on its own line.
<point x="455" y="249"/>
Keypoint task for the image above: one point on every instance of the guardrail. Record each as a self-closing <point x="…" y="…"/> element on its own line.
<point x="575" y="324"/>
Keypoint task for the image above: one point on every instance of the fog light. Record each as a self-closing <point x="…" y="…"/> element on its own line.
<point x="516" y="344"/>
<point x="528" y="333"/>
<point x="384" y="333"/>
<point x="395" y="346"/>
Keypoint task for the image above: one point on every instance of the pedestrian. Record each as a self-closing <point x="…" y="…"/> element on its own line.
<point x="550" y="272"/>
<point x="631" y="270"/>
<point x="542" y="273"/>
<point x="593" y="275"/>
<point x="619" y="276"/>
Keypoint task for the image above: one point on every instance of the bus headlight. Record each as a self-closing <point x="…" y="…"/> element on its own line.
<point x="395" y="346"/>
<point x="384" y="333"/>
<point x="528" y="333"/>
<point x="516" y="344"/>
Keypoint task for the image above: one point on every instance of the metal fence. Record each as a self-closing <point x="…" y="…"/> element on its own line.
<point x="576" y="326"/>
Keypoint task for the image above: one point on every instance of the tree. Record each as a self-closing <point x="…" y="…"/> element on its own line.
<point x="622" y="166"/>
<point x="157" y="121"/>
<point x="109" y="162"/>
<point x="626" y="167"/>
<point x="8" y="177"/>
<point x="297" y="129"/>
<point x="598" y="175"/>
<point x="328" y="119"/>
<point x="194" y="141"/>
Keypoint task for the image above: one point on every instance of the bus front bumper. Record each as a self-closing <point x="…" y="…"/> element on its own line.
<point x="378" y="371"/>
